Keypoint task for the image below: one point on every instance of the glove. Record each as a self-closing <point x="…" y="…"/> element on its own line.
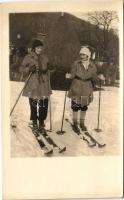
<point x="40" y="71"/>
<point x="68" y="75"/>
<point x="101" y="77"/>
<point x="32" y="69"/>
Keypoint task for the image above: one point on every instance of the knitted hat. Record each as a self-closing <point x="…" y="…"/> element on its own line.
<point x="36" y="43"/>
<point x="86" y="51"/>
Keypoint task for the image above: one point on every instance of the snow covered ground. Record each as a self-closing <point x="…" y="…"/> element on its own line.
<point x="24" y="144"/>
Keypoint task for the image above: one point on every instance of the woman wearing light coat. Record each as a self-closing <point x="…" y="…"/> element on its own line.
<point x="83" y="74"/>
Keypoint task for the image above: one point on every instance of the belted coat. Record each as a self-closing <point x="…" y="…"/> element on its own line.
<point x="81" y="89"/>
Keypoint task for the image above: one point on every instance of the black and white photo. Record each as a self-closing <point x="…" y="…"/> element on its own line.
<point x="62" y="91"/>
<point x="70" y="67"/>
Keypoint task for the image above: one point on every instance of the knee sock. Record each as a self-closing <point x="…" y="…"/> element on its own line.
<point x="82" y="116"/>
<point x="75" y="117"/>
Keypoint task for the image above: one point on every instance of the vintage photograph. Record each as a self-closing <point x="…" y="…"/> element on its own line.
<point x="64" y="75"/>
<point x="62" y="91"/>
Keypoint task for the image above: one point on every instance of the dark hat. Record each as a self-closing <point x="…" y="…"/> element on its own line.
<point x="36" y="43"/>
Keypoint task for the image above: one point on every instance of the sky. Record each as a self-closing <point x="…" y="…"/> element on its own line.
<point x="84" y="16"/>
<point x="80" y="15"/>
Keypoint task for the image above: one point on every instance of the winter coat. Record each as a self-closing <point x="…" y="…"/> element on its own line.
<point x="81" y="87"/>
<point x="39" y="84"/>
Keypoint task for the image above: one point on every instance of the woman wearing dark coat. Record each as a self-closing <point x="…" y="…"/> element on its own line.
<point x="83" y="74"/>
<point x="38" y="88"/>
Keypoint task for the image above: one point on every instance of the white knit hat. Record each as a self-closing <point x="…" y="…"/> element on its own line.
<point x="86" y="51"/>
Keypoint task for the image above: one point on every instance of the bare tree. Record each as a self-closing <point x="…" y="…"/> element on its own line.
<point x="103" y="22"/>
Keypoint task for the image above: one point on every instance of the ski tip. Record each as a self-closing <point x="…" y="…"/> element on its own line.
<point x="48" y="152"/>
<point x="62" y="149"/>
<point x="92" y="145"/>
<point x="101" y="145"/>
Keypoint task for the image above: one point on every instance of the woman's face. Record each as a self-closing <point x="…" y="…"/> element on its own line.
<point x="38" y="49"/>
<point x="84" y="57"/>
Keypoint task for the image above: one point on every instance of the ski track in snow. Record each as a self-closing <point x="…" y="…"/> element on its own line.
<point x="24" y="144"/>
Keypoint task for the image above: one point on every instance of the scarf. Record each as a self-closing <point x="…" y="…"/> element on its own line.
<point x="85" y="64"/>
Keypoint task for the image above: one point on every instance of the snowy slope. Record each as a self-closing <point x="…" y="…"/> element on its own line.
<point x="23" y="143"/>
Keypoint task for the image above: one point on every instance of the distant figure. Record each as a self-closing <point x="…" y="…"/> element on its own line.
<point x="17" y="60"/>
<point x="28" y="51"/>
<point x="11" y="54"/>
<point x="12" y="51"/>
<point x="111" y="72"/>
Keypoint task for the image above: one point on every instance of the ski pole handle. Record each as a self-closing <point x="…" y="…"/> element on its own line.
<point x="21" y="93"/>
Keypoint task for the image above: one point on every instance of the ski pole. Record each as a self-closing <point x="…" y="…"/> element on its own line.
<point x="99" y="106"/>
<point x="61" y="131"/>
<point x="21" y="93"/>
<point x="50" y="106"/>
<point x="50" y="115"/>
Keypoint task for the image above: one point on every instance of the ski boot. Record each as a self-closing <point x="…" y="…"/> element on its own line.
<point x="35" y="128"/>
<point x="82" y="125"/>
<point x="75" y="128"/>
<point x="41" y="127"/>
<point x="41" y="124"/>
